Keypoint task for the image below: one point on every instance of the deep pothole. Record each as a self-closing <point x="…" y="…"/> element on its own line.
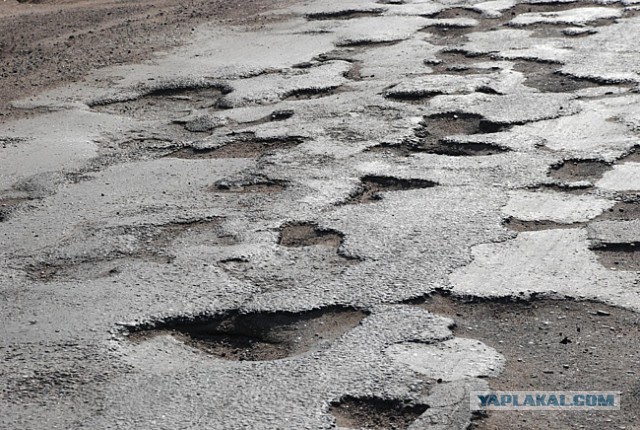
<point x="375" y="413"/>
<point x="258" y="336"/>
<point x="537" y="225"/>
<point x="372" y="187"/>
<point x="255" y="184"/>
<point x="241" y="146"/>
<point x="8" y="206"/>
<point x="553" y="345"/>
<point x="166" y="103"/>
<point x="619" y="256"/>
<point x="344" y="14"/>
<point x="434" y="136"/>
<point x="301" y="234"/>
<point x="575" y="170"/>
<point x="546" y="77"/>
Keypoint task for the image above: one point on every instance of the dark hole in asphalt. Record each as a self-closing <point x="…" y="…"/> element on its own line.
<point x="8" y="205"/>
<point x="308" y="234"/>
<point x="255" y="184"/>
<point x="633" y="156"/>
<point x="579" y="170"/>
<point x="432" y="136"/>
<point x="546" y="78"/>
<point x="537" y="225"/>
<point x="372" y="186"/>
<point x="257" y="336"/>
<point x="437" y="126"/>
<point x="375" y="413"/>
<point x="242" y="147"/>
<point x="313" y="93"/>
<point x="553" y="345"/>
<point x="619" y="256"/>
<point x="166" y="103"/>
<point x="456" y="62"/>
<point x="624" y="210"/>
<point x="344" y="14"/>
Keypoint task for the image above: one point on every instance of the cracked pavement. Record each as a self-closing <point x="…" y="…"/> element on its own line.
<point x="243" y="232"/>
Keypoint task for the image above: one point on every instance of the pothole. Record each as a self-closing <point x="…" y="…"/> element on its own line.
<point x="455" y="62"/>
<point x="433" y="136"/>
<point x="537" y="225"/>
<point x="632" y="156"/>
<point x="625" y="210"/>
<point x="244" y="146"/>
<point x="150" y="244"/>
<point x="8" y="205"/>
<point x="546" y="78"/>
<point x="344" y="14"/>
<point x="553" y="345"/>
<point x="619" y="256"/>
<point x="314" y="93"/>
<point x="258" y="336"/>
<point x="375" y="413"/>
<point x="437" y="126"/>
<point x="308" y="234"/>
<point x="372" y="187"/>
<point x="575" y="170"/>
<point x="254" y="184"/>
<point x="166" y="103"/>
<point x="463" y="149"/>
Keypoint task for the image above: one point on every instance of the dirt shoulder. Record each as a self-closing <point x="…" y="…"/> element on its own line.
<point x="47" y="43"/>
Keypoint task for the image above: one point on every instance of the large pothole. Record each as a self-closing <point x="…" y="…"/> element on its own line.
<point x="575" y="170"/>
<point x="308" y="234"/>
<point x="375" y="413"/>
<point x="554" y="345"/>
<point x="243" y="146"/>
<point x="258" y="336"/>
<point x="372" y="187"/>
<point x="166" y="103"/>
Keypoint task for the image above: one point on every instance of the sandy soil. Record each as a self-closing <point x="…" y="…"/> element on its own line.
<point x="50" y="42"/>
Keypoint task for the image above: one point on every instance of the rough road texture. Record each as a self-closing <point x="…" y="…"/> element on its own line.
<point x="326" y="215"/>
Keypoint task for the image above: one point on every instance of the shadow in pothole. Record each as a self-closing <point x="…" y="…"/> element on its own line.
<point x="575" y="170"/>
<point x="8" y="206"/>
<point x="434" y="134"/>
<point x="258" y="336"/>
<point x="552" y="344"/>
<point x="537" y="225"/>
<point x="375" y="413"/>
<point x="372" y="187"/>
<point x="301" y="234"/>
<point x="166" y="103"/>
<point x="253" y="184"/>
<point x="547" y="78"/>
<point x="245" y="145"/>
<point x="456" y="62"/>
<point x="619" y="256"/>
<point x="344" y="14"/>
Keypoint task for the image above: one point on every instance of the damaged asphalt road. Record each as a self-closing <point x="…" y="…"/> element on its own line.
<point x="349" y="217"/>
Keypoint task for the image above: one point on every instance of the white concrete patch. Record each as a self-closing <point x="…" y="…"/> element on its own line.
<point x="558" y="207"/>
<point x="623" y="177"/>
<point x="578" y="16"/>
<point x="551" y="261"/>
<point x="452" y="360"/>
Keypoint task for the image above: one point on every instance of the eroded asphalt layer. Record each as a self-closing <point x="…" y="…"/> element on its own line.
<point x="239" y="234"/>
